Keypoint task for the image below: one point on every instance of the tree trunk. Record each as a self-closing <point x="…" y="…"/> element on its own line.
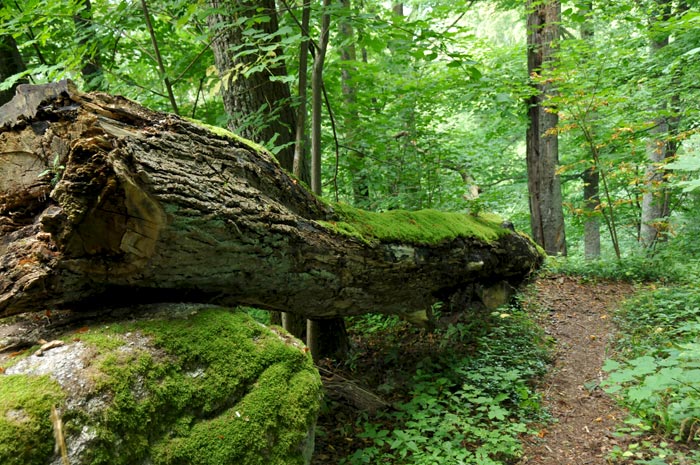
<point x="254" y="94"/>
<point x="10" y="64"/>
<point x="546" y="212"/>
<point x="142" y="206"/>
<point x="317" y="99"/>
<point x="302" y="170"/>
<point x="591" y="176"/>
<point x="591" y="226"/>
<point x="654" y="198"/>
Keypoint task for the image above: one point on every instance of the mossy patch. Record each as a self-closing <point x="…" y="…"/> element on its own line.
<point x="416" y="227"/>
<point x="210" y="386"/>
<point x="224" y="389"/>
<point x="26" y="432"/>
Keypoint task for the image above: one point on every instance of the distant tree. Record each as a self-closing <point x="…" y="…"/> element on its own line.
<point x="591" y="175"/>
<point x="660" y="146"/>
<point x="546" y="211"/>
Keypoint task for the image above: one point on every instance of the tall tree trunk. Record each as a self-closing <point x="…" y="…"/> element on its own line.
<point x="546" y="211"/>
<point x="591" y="226"/>
<point x="301" y="162"/>
<point x="658" y="148"/>
<point x="257" y="93"/>
<point x="317" y="99"/>
<point x="591" y="176"/>
<point x="10" y="64"/>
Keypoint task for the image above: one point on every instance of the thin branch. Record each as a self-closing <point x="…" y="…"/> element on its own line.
<point x="159" y="60"/>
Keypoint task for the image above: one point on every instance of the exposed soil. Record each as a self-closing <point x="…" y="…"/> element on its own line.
<point x="578" y="316"/>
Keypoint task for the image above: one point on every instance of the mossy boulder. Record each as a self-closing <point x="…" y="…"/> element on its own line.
<point x="180" y="384"/>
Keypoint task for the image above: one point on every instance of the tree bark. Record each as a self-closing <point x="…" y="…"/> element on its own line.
<point x="144" y="206"/>
<point x="546" y="211"/>
<point x="257" y="93"/>
<point x="591" y="176"/>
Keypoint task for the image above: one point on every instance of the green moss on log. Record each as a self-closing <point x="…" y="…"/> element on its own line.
<point x="26" y="432"/>
<point x="415" y="227"/>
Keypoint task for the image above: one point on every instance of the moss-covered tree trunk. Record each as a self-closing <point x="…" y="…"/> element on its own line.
<point x="103" y="201"/>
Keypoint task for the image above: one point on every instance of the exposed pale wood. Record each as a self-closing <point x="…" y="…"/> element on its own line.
<point x="145" y="206"/>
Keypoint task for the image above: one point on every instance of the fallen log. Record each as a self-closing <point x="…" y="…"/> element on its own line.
<point x="105" y="202"/>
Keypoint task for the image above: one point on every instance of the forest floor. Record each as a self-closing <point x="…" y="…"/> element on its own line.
<point x="578" y="316"/>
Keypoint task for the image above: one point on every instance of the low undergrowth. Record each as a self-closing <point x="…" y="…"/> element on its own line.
<point x="461" y="395"/>
<point x="662" y="267"/>
<point x="656" y="374"/>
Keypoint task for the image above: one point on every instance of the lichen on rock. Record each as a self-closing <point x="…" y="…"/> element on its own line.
<point x="182" y="384"/>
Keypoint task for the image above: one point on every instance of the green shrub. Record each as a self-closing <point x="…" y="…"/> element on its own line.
<point x="467" y="409"/>
<point x="656" y="375"/>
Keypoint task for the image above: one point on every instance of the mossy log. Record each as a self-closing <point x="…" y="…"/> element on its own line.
<point x="103" y="201"/>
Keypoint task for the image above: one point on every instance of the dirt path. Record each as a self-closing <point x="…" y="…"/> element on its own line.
<point x="579" y="317"/>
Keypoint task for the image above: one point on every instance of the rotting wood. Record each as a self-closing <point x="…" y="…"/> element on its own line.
<point x="104" y="202"/>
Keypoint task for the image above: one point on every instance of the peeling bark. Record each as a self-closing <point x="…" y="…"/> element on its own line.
<point x="145" y="206"/>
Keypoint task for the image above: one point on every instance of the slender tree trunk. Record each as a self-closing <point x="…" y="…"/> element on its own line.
<point x="654" y="198"/>
<point x="547" y="215"/>
<point x="257" y="93"/>
<point x="10" y="64"/>
<point x="591" y="176"/>
<point x="591" y="227"/>
<point x="159" y="59"/>
<point x="317" y="100"/>
<point x="301" y="165"/>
